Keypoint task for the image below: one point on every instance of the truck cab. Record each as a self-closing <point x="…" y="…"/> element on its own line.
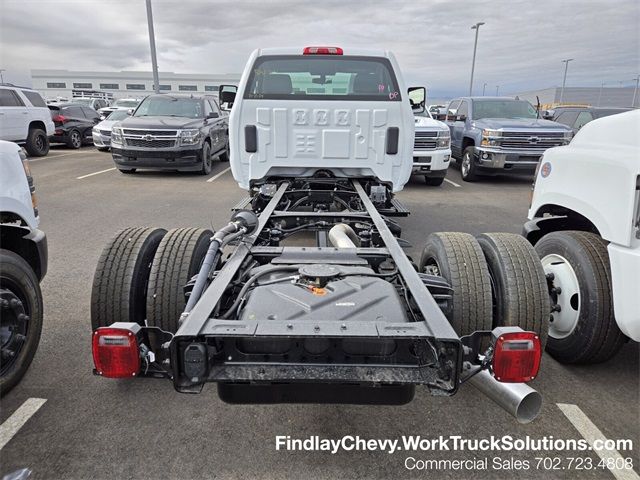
<point x="584" y="221"/>
<point x="298" y="111"/>
<point x="500" y="135"/>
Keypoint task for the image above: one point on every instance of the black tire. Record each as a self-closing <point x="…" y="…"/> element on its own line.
<point x="177" y="259"/>
<point x="519" y="286"/>
<point x="119" y="292"/>
<point x="74" y="139"/>
<point x="596" y="336"/>
<point x="206" y="159"/>
<point x="225" y="155"/>
<point x="458" y="258"/>
<point x="468" y="168"/>
<point x="433" y="182"/>
<point x="37" y="143"/>
<point x="21" y="312"/>
<point x="127" y="170"/>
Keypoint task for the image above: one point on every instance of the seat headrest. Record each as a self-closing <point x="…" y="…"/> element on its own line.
<point x="277" y="83"/>
<point x="365" y="83"/>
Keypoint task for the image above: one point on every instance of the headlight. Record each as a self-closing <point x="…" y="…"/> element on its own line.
<point x="190" y="137"/>
<point x="444" y="139"/>
<point x="488" y="137"/>
<point x="116" y="135"/>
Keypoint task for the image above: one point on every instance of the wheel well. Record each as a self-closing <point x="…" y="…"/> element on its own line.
<point x="37" y="124"/>
<point x="467" y="142"/>
<point x="559" y="219"/>
<point x="11" y="238"/>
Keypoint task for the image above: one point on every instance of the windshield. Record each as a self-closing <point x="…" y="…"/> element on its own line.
<point x="126" y="103"/>
<point x="322" y="77"/>
<point x="118" y="115"/>
<point x="167" y="105"/>
<point x="503" y="109"/>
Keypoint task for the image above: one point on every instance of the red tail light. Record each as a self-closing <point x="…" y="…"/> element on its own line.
<point x="59" y="118"/>
<point x="115" y="352"/>
<point x="516" y="356"/>
<point x="322" y="51"/>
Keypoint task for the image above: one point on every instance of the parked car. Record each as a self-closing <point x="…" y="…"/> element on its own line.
<point x="177" y="132"/>
<point x="102" y="131"/>
<point x="23" y="265"/>
<point x="120" y="104"/>
<point x="95" y="103"/>
<point x="73" y="123"/>
<point x="498" y="135"/>
<point x="25" y="119"/>
<point x="577" y="117"/>
<point x="585" y="225"/>
<point x="432" y="142"/>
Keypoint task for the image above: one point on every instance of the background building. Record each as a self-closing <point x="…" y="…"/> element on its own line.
<point x="594" y="96"/>
<point x="59" y="83"/>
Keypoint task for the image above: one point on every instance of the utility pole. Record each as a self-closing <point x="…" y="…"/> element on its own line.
<point x="564" y="79"/>
<point x="152" y="42"/>
<point x="635" y="91"/>
<point x="1" y="77"/>
<point x="497" y="89"/>
<point x="475" y="27"/>
<point x="484" y="87"/>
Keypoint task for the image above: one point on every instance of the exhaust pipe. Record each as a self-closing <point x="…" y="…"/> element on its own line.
<point x="343" y="236"/>
<point x="518" y="399"/>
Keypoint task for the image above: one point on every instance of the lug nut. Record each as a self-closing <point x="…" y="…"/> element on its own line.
<point x="550" y="276"/>
<point x="556" y="308"/>
<point x="556" y="290"/>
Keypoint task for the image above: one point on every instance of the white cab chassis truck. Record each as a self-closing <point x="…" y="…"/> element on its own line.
<point x="322" y="138"/>
<point x="585" y="225"/>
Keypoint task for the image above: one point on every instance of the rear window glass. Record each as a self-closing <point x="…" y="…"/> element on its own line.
<point x="322" y="77"/>
<point x="35" y="98"/>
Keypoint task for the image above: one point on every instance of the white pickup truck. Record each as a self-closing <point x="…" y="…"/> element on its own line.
<point x="585" y="225"/>
<point x="23" y="264"/>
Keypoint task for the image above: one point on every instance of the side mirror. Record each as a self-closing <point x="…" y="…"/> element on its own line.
<point x="102" y="117"/>
<point x="130" y="112"/>
<point x="461" y="118"/>
<point x="213" y="115"/>
<point x="417" y="98"/>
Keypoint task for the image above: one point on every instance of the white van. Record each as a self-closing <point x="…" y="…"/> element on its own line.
<point x="301" y="110"/>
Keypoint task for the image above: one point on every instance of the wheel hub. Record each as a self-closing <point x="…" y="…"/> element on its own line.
<point x="565" y="296"/>
<point x="466" y="161"/>
<point x="13" y="327"/>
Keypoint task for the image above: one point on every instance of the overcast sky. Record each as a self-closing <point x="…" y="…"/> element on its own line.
<point x="520" y="47"/>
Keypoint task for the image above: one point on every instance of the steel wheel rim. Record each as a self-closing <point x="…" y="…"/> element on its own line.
<point x="563" y="323"/>
<point x="14" y="326"/>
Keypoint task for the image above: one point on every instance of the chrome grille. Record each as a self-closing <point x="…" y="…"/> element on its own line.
<point x="530" y="140"/>
<point x="106" y="133"/>
<point x="425" y="141"/>
<point x="140" y="142"/>
<point x="155" y="133"/>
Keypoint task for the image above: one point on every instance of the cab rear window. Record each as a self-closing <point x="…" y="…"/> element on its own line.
<point x="331" y="77"/>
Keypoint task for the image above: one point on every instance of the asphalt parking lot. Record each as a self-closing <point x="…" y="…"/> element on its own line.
<point x="90" y="427"/>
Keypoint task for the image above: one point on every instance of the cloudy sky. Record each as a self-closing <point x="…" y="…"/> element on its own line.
<point x="520" y="47"/>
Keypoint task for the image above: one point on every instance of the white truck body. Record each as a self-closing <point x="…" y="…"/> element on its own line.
<point x="299" y="134"/>
<point x="598" y="176"/>
<point x="20" y="109"/>
<point x="428" y="157"/>
<point x="15" y="194"/>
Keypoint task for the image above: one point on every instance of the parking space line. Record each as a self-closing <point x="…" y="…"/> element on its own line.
<point x="452" y="183"/>
<point x="218" y="175"/>
<point x="590" y="433"/>
<point x="15" y="422"/>
<point x="95" y="173"/>
<point x="49" y="157"/>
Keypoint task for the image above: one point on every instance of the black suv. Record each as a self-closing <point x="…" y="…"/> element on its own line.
<point x="73" y="123"/>
<point x="177" y="132"/>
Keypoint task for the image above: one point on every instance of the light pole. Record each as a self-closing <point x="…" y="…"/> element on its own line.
<point x="476" y="27"/>
<point x="635" y="91"/>
<point x="484" y="87"/>
<point x="497" y="89"/>
<point x="564" y="79"/>
<point x="152" y="42"/>
<point x="600" y="93"/>
<point x="1" y="77"/>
